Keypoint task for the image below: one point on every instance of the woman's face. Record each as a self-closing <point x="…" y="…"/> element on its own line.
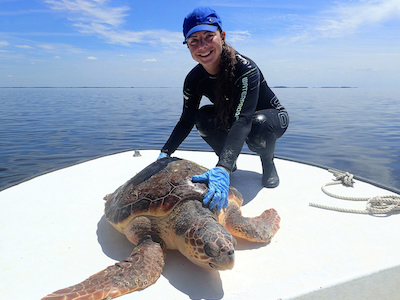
<point x="206" y="48"/>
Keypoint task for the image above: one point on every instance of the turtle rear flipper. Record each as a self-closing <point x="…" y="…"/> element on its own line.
<point x="138" y="271"/>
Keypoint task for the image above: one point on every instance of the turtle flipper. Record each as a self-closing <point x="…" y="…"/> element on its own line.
<point x="257" y="229"/>
<point x="140" y="270"/>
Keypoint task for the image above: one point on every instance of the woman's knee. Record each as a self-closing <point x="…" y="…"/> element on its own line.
<point x="270" y="121"/>
<point x="267" y="126"/>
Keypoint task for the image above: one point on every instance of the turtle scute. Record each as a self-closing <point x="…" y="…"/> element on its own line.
<point x="155" y="190"/>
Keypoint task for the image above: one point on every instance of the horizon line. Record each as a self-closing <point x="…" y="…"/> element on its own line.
<point x="150" y="87"/>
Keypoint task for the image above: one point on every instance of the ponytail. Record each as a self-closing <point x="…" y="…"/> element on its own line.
<point x="225" y="85"/>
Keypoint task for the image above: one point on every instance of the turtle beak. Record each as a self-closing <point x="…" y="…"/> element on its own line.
<point x="225" y="261"/>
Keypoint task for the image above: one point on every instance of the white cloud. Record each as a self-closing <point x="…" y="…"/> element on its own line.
<point x="348" y="18"/>
<point x="57" y="48"/>
<point x="57" y="57"/>
<point x="20" y="12"/>
<point x="91" y="11"/>
<point x="46" y="46"/>
<point x="237" y="36"/>
<point x="97" y="18"/>
<point x="91" y="58"/>
<point x="4" y="43"/>
<point x="150" y="60"/>
<point x="24" y="46"/>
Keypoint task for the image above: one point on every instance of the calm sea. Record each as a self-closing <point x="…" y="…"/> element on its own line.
<point x="43" y="129"/>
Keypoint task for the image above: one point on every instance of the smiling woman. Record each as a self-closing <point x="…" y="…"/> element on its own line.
<point x="244" y="107"/>
<point x="206" y="49"/>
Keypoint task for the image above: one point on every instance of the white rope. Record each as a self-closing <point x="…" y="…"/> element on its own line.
<point x="374" y="205"/>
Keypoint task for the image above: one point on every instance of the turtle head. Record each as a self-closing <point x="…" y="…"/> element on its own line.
<point x="211" y="245"/>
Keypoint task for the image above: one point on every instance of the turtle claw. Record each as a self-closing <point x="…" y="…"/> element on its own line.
<point x="140" y="270"/>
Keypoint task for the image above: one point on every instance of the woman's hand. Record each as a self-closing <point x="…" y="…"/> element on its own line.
<point x="162" y="155"/>
<point x="218" y="187"/>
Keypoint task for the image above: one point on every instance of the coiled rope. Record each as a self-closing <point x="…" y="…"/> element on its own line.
<point x="374" y="205"/>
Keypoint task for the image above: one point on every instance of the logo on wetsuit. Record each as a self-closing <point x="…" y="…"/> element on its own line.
<point x="243" y="95"/>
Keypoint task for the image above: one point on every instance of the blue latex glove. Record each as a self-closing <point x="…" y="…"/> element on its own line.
<point x="162" y="155"/>
<point x="218" y="187"/>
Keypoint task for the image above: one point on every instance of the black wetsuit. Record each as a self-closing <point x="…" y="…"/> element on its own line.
<point x="251" y="94"/>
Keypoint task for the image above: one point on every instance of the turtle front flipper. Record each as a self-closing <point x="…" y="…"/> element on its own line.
<point x="259" y="229"/>
<point x="138" y="271"/>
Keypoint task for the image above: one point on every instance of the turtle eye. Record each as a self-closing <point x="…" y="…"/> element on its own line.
<point x="211" y="250"/>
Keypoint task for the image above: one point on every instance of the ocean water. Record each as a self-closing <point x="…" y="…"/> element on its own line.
<point x="43" y="129"/>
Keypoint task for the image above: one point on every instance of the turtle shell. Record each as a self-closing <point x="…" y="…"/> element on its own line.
<point x="155" y="191"/>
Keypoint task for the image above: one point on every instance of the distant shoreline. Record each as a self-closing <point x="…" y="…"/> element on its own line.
<point x="315" y="87"/>
<point x="159" y="87"/>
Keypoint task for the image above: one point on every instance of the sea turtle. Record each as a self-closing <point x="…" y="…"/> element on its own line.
<point x="160" y="208"/>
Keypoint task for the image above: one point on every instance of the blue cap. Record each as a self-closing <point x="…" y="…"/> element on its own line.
<point x="202" y="18"/>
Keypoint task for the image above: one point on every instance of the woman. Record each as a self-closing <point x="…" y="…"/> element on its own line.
<point x="244" y="107"/>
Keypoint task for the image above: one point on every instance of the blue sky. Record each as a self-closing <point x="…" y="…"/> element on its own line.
<point x="139" y="43"/>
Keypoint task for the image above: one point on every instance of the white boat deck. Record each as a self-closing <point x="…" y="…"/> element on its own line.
<point x="53" y="235"/>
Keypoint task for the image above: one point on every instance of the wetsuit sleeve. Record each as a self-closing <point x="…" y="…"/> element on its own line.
<point x="185" y="124"/>
<point x="247" y="88"/>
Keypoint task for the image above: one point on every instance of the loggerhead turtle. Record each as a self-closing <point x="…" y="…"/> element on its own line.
<point x="161" y="208"/>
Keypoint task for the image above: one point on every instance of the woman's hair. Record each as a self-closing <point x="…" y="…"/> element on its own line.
<point x="225" y="85"/>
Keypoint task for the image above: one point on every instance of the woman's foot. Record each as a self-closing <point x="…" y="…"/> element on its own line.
<point x="270" y="177"/>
